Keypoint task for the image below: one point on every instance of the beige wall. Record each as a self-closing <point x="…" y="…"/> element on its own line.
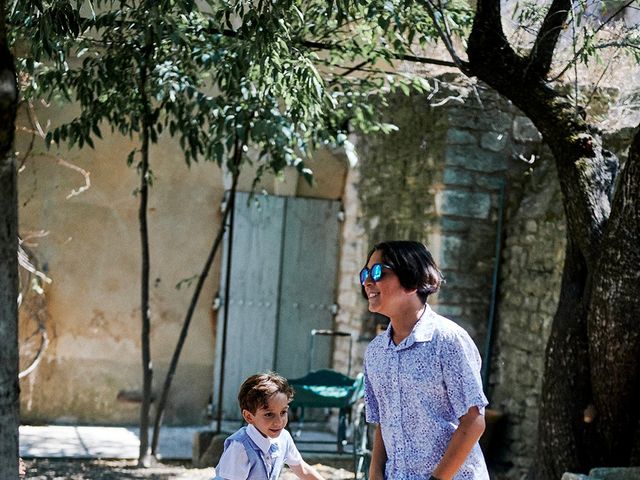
<point x="92" y="254"/>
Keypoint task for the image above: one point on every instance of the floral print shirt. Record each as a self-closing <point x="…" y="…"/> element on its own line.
<point x="418" y="390"/>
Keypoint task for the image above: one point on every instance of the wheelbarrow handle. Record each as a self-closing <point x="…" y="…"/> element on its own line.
<point x="329" y="333"/>
<point x="332" y="333"/>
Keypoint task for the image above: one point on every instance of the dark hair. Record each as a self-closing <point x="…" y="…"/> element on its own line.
<point x="413" y="264"/>
<point x="256" y="390"/>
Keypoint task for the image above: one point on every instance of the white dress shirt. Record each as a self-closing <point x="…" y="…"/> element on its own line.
<point x="234" y="464"/>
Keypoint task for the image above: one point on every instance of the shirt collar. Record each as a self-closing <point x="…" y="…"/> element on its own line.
<point x="422" y="331"/>
<point x="261" y="441"/>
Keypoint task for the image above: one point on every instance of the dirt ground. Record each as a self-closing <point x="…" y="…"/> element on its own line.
<point x="59" y="469"/>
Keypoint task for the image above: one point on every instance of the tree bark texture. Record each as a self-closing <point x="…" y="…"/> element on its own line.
<point x="9" y="387"/>
<point x="147" y="369"/>
<point x="614" y="321"/>
<point x="594" y="346"/>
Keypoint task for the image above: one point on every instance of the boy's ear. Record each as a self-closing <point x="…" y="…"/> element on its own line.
<point x="410" y="291"/>
<point x="248" y="416"/>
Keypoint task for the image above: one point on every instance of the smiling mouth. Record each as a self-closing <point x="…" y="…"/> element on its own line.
<point x="372" y="295"/>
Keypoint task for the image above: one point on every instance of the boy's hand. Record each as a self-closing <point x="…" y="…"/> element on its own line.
<point x="306" y="471"/>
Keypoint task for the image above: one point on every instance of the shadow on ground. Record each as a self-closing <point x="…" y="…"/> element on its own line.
<point x="77" y="469"/>
<point x="58" y="469"/>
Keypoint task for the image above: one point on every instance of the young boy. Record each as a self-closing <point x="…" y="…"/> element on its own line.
<point x="259" y="450"/>
<point x="422" y="376"/>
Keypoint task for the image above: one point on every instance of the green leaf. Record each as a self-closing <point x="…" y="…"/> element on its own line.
<point x="130" y="158"/>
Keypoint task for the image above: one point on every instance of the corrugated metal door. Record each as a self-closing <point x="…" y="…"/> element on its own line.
<point x="283" y="281"/>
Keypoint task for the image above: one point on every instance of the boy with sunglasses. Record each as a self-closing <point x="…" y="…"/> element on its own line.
<point x="422" y="376"/>
<point x="260" y="450"/>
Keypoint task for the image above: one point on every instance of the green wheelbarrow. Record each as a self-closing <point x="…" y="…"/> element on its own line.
<point x="329" y="389"/>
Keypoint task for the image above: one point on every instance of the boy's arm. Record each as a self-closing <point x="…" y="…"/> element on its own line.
<point x="305" y="471"/>
<point x="233" y="464"/>
<point x="378" y="456"/>
<point x="464" y="438"/>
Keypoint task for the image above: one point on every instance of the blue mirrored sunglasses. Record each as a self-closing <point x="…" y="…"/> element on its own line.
<point x="375" y="271"/>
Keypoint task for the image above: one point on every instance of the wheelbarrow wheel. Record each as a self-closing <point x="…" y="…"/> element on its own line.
<point x="361" y="443"/>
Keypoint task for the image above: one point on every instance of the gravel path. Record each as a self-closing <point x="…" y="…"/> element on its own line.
<point x="62" y="469"/>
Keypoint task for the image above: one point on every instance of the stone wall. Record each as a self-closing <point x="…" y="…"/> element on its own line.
<point x="529" y="288"/>
<point x="438" y="180"/>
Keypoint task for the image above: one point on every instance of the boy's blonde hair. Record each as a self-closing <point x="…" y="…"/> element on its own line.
<point x="256" y="390"/>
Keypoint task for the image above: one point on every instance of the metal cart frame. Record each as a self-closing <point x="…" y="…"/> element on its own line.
<point x="328" y="389"/>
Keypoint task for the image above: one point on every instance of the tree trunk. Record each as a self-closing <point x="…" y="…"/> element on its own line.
<point x="593" y="350"/>
<point x="9" y="387"/>
<point x="565" y="389"/>
<point x="147" y="369"/>
<point x="614" y="333"/>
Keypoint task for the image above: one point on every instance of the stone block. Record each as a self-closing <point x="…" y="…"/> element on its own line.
<point x="475" y="159"/>
<point x="489" y="182"/>
<point x="451" y="295"/>
<point x="479" y="119"/>
<point x="207" y="448"/>
<point x="497" y="120"/>
<point x="466" y="178"/>
<point x="456" y="136"/>
<point x="458" y="176"/>
<point x="494" y="141"/>
<point x="461" y="203"/>
<point x="575" y="476"/>
<point x="461" y="280"/>
<point x="525" y="131"/>
<point x="461" y="117"/>
<point x="449" y="311"/>
<point x="531" y="226"/>
<point x="450" y="251"/>
<point x="615" y="473"/>
<point x="453" y="225"/>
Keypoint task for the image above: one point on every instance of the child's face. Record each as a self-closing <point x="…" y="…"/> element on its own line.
<point x="270" y="420"/>
<point x="387" y="294"/>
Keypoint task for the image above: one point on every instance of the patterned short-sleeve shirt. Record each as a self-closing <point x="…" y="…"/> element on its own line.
<point x="417" y="391"/>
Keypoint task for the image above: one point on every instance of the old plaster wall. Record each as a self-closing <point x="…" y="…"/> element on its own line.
<point x="91" y="251"/>
<point x="92" y="254"/>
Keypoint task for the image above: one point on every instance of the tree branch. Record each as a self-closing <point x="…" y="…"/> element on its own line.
<point x="334" y="46"/>
<point x="489" y="51"/>
<point x="445" y="37"/>
<point x="541" y="54"/>
<point x="595" y="32"/>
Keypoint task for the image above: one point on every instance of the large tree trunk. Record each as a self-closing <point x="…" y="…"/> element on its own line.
<point x="9" y="388"/>
<point x="614" y="321"/>
<point x="565" y="390"/>
<point x="594" y="346"/>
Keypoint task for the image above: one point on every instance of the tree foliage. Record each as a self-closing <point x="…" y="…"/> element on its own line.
<point x="141" y="69"/>
<point x="282" y="78"/>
